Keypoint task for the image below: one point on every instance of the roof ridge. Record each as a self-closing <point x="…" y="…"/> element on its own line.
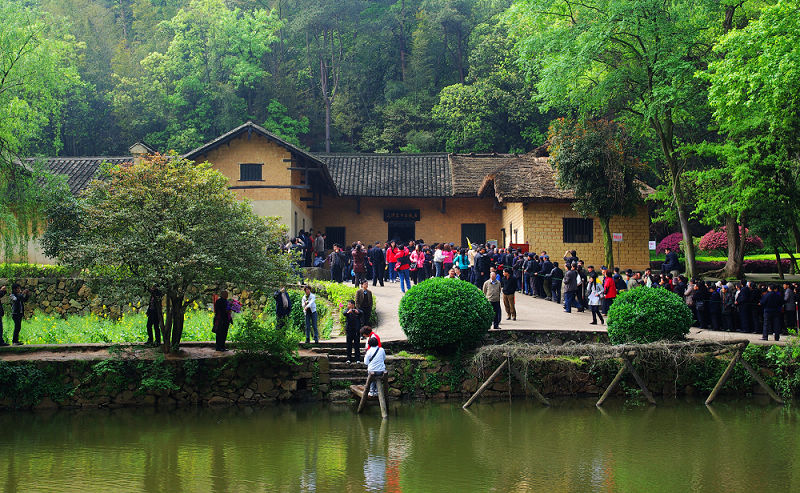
<point x="77" y="157"/>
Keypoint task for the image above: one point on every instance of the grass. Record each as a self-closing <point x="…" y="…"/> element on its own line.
<point x="44" y="328"/>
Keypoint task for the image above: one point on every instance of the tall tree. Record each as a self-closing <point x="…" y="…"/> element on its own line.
<point x="755" y="94"/>
<point x="635" y="59"/>
<point x="37" y="70"/>
<point x="170" y="223"/>
<point x="593" y="159"/>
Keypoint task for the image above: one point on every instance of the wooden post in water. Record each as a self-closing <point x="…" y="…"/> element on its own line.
<point x="761" y="382"/>
<point x="727" y="373"/>
<point x="529" y="388"/>
<point x="612" y="385"/>
<point x="638" y="379"/>
<point x="365" y="394"/>
<point x="485" y="384"/>
<point x="381" y="397"/>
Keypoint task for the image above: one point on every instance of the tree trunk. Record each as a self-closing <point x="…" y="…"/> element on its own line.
<point x="608" y="244"/>
<point x="327" y="124"/>
<point x="796" y="235"/>
<point x="176" y="318"/>
<point x="166" y="328"/>
<point x="778" y="260"/>
<point x="735" y="263"/>
<point x="683" y="219"/>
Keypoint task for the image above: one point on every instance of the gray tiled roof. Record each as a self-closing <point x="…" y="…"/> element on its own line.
<point x="79" y="170"/>
<point x="390" y="175"/>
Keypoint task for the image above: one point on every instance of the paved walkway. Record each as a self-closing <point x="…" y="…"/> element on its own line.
<point x="532" y="314"/>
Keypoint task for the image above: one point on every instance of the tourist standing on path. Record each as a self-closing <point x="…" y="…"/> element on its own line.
<point x="375" y="359"/>
<point x="556" y="276"/>
<point x="438" y="259"/>
<point x="154" y="317"/>
<point x="743" y="305"/>
<point x="359" y="264"/>
<point x="492" y="289"/>
<point x="319" y="245"/>
<point x="18" y="298"/>
<point x="543" y="278"/>
<point x="482" y="266"/>
<point x="509" y="289"/>
<point x="448" y="254"/>
<point x="222" y="321"/>
<point x="309" y="303"/>
<point x="671" y="264"/>
<point x="378" y="259"/>
<point x="402" y="267"/>
<point x="283" y="307"/>
<point x="727" y="296"/>
<point x="609" y="290"/>
<point x="462" y="262"/>
<point x="352" y="328"/>
<point x="3" y="291"/>
<point x="364" y="302"/>
<point x="594" y="292"/>
<point x="391" y="260"/>
<point x="337" y="262"/>
<point x="772" y="304"/>
<point x="571" y="288"/>
<point x="417" y="265"/>
<point x="790" y="306"/>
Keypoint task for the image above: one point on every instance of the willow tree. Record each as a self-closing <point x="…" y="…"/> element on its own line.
<point x="592" y="158"/>
<point x="37" y="70"/>
<point x="170" y="223"/>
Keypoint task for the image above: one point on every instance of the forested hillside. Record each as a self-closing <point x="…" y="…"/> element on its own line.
<point x="355" y="75"/>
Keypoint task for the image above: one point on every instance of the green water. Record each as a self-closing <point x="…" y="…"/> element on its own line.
<point x="747" y="446"/>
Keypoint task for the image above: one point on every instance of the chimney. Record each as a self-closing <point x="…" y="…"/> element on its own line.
<point x="139" y="151"/>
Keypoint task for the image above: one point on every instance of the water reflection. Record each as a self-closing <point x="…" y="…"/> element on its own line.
<point x="676" y="446"/>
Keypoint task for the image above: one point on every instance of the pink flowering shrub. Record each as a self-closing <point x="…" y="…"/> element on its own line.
<point x="717" y="240"/>
<point x="671" y="241"/>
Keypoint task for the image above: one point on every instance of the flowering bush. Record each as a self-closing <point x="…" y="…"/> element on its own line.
<point x="717" y="240"/>
<point x="750" y="266"/>
<point x="670" y="241"/>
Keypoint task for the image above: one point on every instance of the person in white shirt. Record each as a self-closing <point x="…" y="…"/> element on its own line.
<point x="309" y="303"/>
<point x="375" y="359"/>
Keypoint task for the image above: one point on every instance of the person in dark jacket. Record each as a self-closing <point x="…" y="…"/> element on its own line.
<point x="570" y="289"/>
<point x="337" y="261"/>
<point x="671" y="264"/>
<point x="154" y="317"/>
<point x="482" y="266"/>
<point x="378" y="260"/>
<point x="700" y="298"/>
<point x="756" y="310"/>
<point x="543" y="278"/>
<point x="728" y="301"/>
<point x="555" y="278"/>
<point x="772" y="304"/>
<point x="283" y="307"/>
<point x="3" y="292"/>
<point x="352" y="330"/>
<point x="715" y="307"/>
<point x="509" y="287"/>
<point x="222" y="321"/>
<point x="789" y="307"/>
<point x="742" y="301"/>
<point x="18" y="298"/>
<point x="359" y="264"/>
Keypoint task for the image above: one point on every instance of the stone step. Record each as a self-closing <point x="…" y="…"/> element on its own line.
<point x="360" y="373"/>
<point x="340" y="395"/>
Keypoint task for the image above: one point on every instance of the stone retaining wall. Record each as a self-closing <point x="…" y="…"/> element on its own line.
<point x="115" y="382"/>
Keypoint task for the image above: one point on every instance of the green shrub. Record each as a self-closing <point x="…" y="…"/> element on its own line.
<point x="647" y="315"/>
<point x="257" y="336"/>
<point x="22" y="271"/>
<point x="445" y="315"/>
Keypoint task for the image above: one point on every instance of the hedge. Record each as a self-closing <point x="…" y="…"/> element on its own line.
<point x="31" y="271"/>
<point x="648" y="315"/>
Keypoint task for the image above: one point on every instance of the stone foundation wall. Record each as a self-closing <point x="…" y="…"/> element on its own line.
<point x="113" y="383"/>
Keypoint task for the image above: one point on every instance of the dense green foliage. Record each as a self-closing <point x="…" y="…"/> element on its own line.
<point x="256" y="336"/>
<point x="445" y="315"/>
<point x="648" y="315"/>
<point x="20" y="271"/>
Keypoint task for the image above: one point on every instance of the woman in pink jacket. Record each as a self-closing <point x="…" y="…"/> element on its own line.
<point x="391" y="260"/>
<point x="418" y="265"/>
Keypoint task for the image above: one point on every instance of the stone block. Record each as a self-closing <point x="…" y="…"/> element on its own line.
<point x="290" y="385"/>
<point x="264" y="385"/>
<point x="219" y="401"/>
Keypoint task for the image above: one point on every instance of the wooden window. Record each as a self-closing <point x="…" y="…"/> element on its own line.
<point x="333" y="235"/>
<point x="250" y="172"/>
<point x="578" y="230"/>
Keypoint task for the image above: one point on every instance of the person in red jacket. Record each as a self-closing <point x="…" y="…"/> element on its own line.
<point x="403" y="257"/>
<point x="609" y="290"/>
<point x="391" y="260"/>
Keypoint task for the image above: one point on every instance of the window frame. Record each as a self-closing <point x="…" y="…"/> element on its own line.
<point x="251" y="166"/>
<point x="577" y="230"/>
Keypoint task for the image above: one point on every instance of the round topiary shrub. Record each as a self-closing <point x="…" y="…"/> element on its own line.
<point x="645" y="315"/>
<point x="445" y="315"/>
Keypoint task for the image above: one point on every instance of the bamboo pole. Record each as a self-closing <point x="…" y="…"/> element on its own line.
<point x="613" y="384"/>
<point x="761" y="382"/>
<point x="365" y="394"/>
<point x="485" y="384"/>
<point x="639" y="380"/>
<point x="381" y="397"/>
<point x="530" y="388"/>
<point x="727" y="373"/>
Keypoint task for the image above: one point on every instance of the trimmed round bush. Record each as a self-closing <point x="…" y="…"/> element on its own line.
<point x="445" y="315"/>
<point x="718" y="240"/>
<point x="645" y="315"/>
<point x="670" y="241"/>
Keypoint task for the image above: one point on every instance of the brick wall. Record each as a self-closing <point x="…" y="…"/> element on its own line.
<point x="544" y="231"/>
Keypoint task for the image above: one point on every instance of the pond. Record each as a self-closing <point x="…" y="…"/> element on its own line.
<point x="744" y="445"/>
